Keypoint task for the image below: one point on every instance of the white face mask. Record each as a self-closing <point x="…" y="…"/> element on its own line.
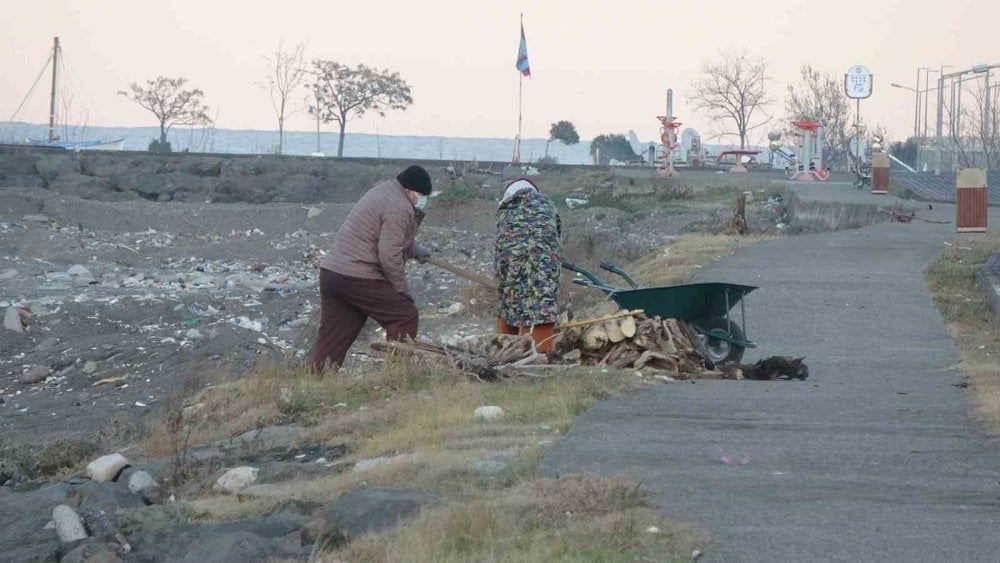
<point x="421" y="202"/>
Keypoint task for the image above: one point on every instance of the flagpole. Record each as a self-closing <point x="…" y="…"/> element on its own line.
<point x="520" y="92"/>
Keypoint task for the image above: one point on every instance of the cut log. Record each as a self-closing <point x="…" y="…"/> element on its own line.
<point x="614" y="331"/>
<point x="595" y="338"/>
<point x="642" y="341"/>
<point x="577" y="324"/>
<point x="656" y="360"/>
<point x="731" y="371"/>
<point x="627" y="325"/>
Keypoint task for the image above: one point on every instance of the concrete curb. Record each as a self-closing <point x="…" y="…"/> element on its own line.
<point x="808" y="213"/>
<point x="988" y="281"/>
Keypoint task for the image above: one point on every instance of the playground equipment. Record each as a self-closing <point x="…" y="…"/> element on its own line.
<point x="668" y="138"/>
<point x="742" y="157"/>
<point x="807" y="161"/>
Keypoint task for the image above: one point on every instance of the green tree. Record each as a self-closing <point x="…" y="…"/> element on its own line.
<point x="612" y="147"/>
<point x="343" y="92"/>
<point x="563" y="131"/>
<point x="172" y="105"/>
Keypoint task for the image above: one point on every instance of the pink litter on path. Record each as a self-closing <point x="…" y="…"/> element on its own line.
<point x="742" y="461"/>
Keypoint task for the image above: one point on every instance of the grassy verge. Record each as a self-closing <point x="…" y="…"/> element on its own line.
<point x="425" y="412"/>
<point x="420" y="414"/>
<point x="973" y="325"/>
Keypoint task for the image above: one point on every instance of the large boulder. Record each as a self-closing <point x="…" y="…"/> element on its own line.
<point x="85" y="187"/>
<point x="300" y="188"/>
<point x="51" y="166"/>
<point x="154" y="185"/>
<point x="23" y="520"/>
<point x="206" y="167"/>
<point x="21" y="181"/>
<point x="106" y="468"/>
<point x="236" y="479"/>
<point x="361" y="511"/>
<point x="158" y="533"/>
<point x="18" y="164"/>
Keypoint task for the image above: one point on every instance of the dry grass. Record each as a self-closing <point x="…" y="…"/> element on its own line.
<point x="678" y="260"/>
<point x="220" y="507"/>
<point x="580" y="518"/>
<point x="973" y="325"/>
<point x="424" y="410"/>
<point x="414" y="408"/>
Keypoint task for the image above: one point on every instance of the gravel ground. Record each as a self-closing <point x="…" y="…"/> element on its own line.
<point x="128" y="297"/>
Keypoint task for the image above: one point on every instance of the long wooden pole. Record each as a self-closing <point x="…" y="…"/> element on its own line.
<point x="52" y="102"/>
<point x="449" y="267"/>
<point x="616" y="316"/>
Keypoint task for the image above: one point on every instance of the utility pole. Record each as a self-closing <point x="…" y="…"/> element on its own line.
<point x="52" y="103"/>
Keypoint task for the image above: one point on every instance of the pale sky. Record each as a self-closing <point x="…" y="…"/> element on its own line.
<point x="603" y="65"/>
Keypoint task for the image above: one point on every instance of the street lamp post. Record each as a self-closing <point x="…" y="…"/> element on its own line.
<point x="977" y="69"/>
<point x="916" y="106"/>
<point x="940" y="117"/>
<point x="927" y="76"/>
<point x="916" y="109"/>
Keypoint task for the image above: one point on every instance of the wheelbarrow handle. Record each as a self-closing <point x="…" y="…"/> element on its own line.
<point x="608" y="266"/>
<point x="585" y="272"/>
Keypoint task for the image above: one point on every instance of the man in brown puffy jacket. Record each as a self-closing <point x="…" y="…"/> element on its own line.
<point x="364" y="276"/>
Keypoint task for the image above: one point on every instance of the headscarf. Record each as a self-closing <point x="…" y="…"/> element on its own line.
<point x="516" y="186"/>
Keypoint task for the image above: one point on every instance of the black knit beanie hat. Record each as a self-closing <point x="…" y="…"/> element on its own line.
<point x="415" y="178"/>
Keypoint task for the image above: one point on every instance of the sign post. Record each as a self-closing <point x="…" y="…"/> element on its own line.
<point x="858" y="86"/>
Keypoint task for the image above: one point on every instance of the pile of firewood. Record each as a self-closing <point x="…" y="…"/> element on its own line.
<point x="626" y="340"/>
<point x="666" y="346"/>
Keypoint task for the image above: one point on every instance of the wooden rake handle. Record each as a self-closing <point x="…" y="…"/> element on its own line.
<point x="471" y="276"/>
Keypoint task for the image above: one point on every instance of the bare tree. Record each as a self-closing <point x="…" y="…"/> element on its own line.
<point x="286" y="74"/>
<point x="734" y="89"/>
<point x="973" y="133"/>
<point x="821" y="97"/>
<point x="171" y="105"/>
<point x="343" y="92"/>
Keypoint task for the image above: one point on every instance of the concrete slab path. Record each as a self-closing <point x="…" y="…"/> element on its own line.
<point x="875" y="457"/>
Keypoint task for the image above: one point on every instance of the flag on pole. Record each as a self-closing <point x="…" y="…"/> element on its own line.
<point x="522" y="55"/>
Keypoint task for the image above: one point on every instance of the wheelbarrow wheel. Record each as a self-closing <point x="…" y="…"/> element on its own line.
<point x="718" y="350"/>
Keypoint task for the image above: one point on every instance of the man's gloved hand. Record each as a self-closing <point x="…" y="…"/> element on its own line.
<point x="420" y="254"/>
<point x="409" y="296"/>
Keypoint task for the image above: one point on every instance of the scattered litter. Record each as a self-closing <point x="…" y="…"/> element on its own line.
<point x="745" y="460"/>
<point x="576" y="203"/>
<point x="245" y="322"/>
<point x="488" y="413"/>
<point x="108" y="381"/>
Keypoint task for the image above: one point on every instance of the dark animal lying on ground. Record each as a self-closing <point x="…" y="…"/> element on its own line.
<point x="771" y="369"/>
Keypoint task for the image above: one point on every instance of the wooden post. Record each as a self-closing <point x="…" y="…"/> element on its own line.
<point x="880" y="173"/>
<point x="971" y="200"/>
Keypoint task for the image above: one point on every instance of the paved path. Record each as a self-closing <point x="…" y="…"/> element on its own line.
<point x="875" y="457"/>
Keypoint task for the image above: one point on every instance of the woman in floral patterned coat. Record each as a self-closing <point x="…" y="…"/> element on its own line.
<point x="527" y="264"/>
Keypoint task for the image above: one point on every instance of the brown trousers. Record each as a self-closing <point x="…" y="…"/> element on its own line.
<point x="346" y="303"/>
<point x="542" y="334"/>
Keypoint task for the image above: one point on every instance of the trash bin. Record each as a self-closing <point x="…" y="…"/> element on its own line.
<point x="970" y="199"/>
<point x="880" y="173"/>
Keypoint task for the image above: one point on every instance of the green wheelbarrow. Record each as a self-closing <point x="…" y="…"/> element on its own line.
<point x="704" y="306"/>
